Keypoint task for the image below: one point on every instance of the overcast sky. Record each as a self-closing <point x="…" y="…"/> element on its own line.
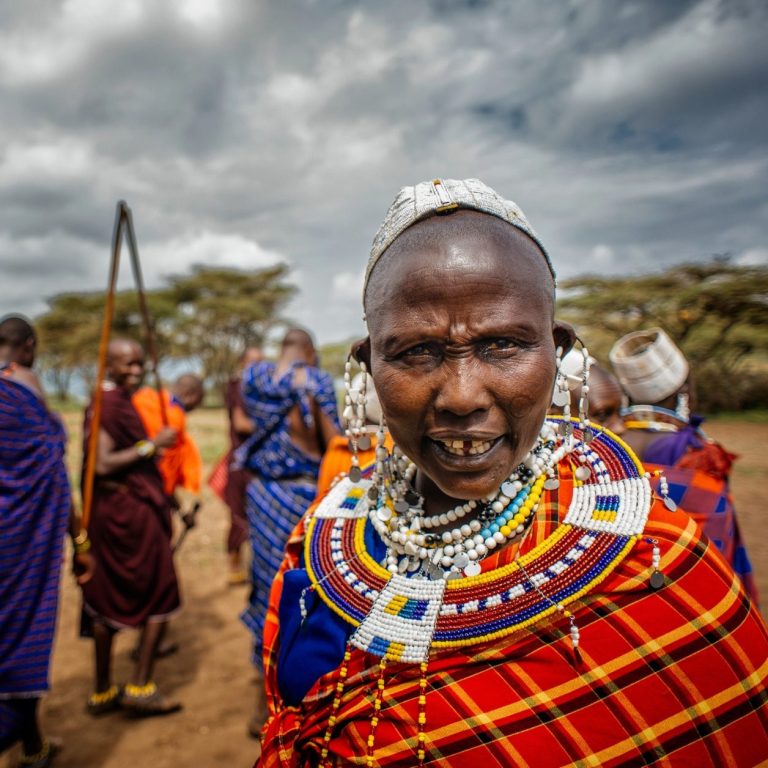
<point x="240" y="132"/>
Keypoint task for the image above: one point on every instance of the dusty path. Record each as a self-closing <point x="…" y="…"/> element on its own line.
<point x="211" y="674"/>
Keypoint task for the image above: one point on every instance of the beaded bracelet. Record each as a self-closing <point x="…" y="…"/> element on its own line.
<point x="81" y="543"/>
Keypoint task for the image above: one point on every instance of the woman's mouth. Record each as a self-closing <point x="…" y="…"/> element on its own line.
<point x="467" y="447"/>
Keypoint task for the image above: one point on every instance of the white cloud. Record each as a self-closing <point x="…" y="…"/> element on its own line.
<point x="348" y="286"/>
<point x="754" y="257"/>
<point x="175" y="256"/>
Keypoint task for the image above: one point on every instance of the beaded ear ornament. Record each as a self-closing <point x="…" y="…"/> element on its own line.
<point x="354" y="417"/>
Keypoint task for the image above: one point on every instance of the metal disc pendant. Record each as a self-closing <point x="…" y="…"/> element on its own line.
<point x="461" y="560"/>
<point x="355" y="474"/>
<point x="364" y="443"/>
<point x="384" y="514"/>
<point x="657" y="580"/>
<point x="582" y="473"/>
<point x="565" y="428"/>
<point x="373" y="493"/>
<point x="669" y="503"/>
<point x="508" y="489"/>
<point x="434" y="572"/>
<point x="589" y="435"/>
<point x="401" y="506"/>
<point x="472" y="569"/>
<point x="413" y="498"/>
<point x="551" y="483"/>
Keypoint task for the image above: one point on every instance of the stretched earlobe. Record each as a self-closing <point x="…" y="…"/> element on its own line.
<point x="564" y="336"/>
<point x="361" y="351"/>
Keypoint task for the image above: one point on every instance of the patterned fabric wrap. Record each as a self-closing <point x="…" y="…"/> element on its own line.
<point x="708" y="501"/>
<point x="669" y="677"/>
<point x="284" y="477"/>
<point x="34" y="506"/>
<point x="134" y="580"/>
<point x="698" y="470"/>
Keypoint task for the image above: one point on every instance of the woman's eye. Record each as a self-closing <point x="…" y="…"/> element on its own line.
<point x="420" y="350"/>
<point x="499" y="345"/>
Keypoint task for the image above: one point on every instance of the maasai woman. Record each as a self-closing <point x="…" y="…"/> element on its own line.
<point x="499" y="589"/>
<point x="664" y="432"/>
<point x="292" y="405"/>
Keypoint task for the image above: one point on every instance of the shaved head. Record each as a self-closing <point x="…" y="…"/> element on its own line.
<point x="125" y="363"/>
<point x="18" y="341"/>
<point x="189" y="390"/>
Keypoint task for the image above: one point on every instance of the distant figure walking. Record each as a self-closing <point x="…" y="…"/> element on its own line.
<point x="292" y="404"/>
<point x="134" y="585"/>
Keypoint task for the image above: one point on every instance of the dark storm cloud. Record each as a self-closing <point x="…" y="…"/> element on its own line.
<point x="631" y="134"/>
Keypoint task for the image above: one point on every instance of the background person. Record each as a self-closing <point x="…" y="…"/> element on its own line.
<point x="134" y="585"/>
<point x="292" y="404"/>
<point x="35" y="506"/>
<point x="667" y="436"/>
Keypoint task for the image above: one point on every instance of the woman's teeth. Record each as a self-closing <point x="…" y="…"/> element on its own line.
<point x="466" y="447"/>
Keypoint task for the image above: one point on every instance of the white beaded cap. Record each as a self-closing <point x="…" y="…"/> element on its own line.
<point x="440" y="196"/>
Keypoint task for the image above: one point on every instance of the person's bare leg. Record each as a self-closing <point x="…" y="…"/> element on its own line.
<point x="142" y="696"/>
<point x="31" y="736"/>
<point x="151" y="636"/>
<point x="102" y="637"/>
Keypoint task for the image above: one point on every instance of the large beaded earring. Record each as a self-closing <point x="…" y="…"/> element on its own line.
<point x="584" y="396"/>
<point x="682" y="408"/>
<point x="355" y="418"/>
<point x="561" y="397"/>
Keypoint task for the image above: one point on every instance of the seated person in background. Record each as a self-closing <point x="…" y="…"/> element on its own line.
<point x="661" y="429"/>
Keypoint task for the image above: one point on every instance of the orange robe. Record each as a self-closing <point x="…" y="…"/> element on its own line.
<point x="180" y="465"/>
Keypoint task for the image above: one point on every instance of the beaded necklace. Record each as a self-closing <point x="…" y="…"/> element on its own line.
<point x="401" y="614"/>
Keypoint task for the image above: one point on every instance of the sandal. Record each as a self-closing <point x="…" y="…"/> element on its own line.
<point x="104" y="702"/>
<point x="147" y="701"/>
<point x="41" y="759"/>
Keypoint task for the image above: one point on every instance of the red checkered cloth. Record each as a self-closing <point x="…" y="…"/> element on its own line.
<point x="219" y="477"/>
<point x="669" y="677"/>
<point x="706" y="497"/>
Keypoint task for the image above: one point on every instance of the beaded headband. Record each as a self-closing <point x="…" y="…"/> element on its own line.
<point x="442" y="196"/>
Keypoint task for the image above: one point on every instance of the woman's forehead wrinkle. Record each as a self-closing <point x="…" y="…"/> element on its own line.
<point x="497" y="270"/>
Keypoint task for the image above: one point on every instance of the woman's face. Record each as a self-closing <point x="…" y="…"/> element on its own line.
<point x="462" y="349"/>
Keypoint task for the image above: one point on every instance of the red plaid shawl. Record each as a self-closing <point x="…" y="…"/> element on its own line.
<point x="674" y="677"/>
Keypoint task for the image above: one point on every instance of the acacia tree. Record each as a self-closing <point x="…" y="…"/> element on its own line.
<point x="204" y="319"/>
<point x="219" y="311"/>
<point x="716" y="312"/>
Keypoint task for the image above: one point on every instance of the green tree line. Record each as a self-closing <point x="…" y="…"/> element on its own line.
<point x="205" y="318"/>
<point x="717" y="312"/>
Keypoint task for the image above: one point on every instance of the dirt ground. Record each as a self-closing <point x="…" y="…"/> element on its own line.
<point x="211" y="674"/>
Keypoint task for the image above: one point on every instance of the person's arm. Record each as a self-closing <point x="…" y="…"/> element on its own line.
<point x="82" y="562"/>
<point x="240" y="421"/>
<point x="108" y="460"/>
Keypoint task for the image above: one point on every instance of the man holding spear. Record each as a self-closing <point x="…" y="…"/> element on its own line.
<point x="134" y="584"/>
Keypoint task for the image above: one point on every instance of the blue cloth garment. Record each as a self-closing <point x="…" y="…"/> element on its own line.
<point x="283" y="476"/>
<point x="34" y="507"/>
